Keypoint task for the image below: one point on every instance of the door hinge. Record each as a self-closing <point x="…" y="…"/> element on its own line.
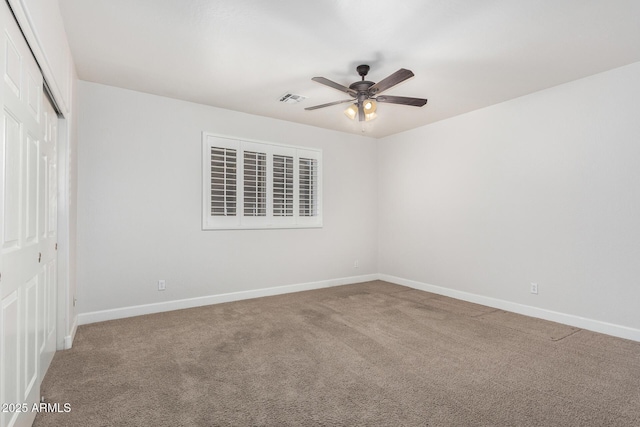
<point x="56" y="246"/>
<point x="39" y="256"/>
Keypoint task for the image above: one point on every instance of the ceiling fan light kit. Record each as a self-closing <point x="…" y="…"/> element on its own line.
<point x="369" y="111"/>
<point x="366" y="94"/>
<point x="352" y="111"/>
<point x="370" y="106"/>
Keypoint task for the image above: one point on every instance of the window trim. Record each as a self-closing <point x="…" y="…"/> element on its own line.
<point x="269" y="221"/>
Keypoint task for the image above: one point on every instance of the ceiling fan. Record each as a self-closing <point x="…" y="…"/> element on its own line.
<point x="366" y="93"/>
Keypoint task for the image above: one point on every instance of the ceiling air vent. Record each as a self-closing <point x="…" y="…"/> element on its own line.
<point x="290" y="98"/>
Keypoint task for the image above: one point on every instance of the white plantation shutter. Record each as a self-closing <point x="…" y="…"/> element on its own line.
<point x="223" y="181"/>
<point x="282" y="185"/>
<point x="308" y="182"/>
<point x="250" y="184"/>
<point x="255" y="184"/>
<point x="309" y="188"/>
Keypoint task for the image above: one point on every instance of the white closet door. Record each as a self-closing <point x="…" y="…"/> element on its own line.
<point x="27" y="228"/>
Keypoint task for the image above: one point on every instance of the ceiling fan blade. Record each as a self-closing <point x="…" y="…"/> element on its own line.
<point x="315" y="107"/>
<point x="398" y="77"/>
<point x="415" y="102"/>
<point x="334" y="85"/>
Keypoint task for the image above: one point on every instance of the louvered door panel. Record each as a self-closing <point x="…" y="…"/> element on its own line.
<point x="308" y="183"/>
<point x="282" y="185"/>
<point x="224" y="193"/>
<point x="255" y="184"/>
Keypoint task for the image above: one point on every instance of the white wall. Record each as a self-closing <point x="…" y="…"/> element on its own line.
<point x="544" y="188"/>
<point x="139" y="205"/>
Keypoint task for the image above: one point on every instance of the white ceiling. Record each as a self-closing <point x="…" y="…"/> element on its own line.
<point x="244" y="55"/>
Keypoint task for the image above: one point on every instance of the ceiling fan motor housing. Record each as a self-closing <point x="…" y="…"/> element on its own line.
<point x="362" y="89"/>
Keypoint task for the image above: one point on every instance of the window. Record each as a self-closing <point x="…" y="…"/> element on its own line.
<point x="248" y="184"/>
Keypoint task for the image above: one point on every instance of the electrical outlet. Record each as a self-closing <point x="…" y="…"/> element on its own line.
<point x="162" y="285"/>
<point x="534" y="288"/>
<point x="356" y="264"/>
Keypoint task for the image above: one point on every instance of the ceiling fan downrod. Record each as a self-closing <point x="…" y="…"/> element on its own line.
<point x="363" y="70"/>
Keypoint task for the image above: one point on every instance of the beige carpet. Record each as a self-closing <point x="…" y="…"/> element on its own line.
<point x="371" y="354"/>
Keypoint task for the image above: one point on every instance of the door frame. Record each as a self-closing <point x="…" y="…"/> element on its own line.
<point x="67" y="317"/>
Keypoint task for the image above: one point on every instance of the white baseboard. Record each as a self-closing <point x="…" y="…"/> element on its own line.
<point x="68" y="340"/>
<point x="554" y="316"/>
<point x="541" y="313"/>
<point x="138" y="310"/>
